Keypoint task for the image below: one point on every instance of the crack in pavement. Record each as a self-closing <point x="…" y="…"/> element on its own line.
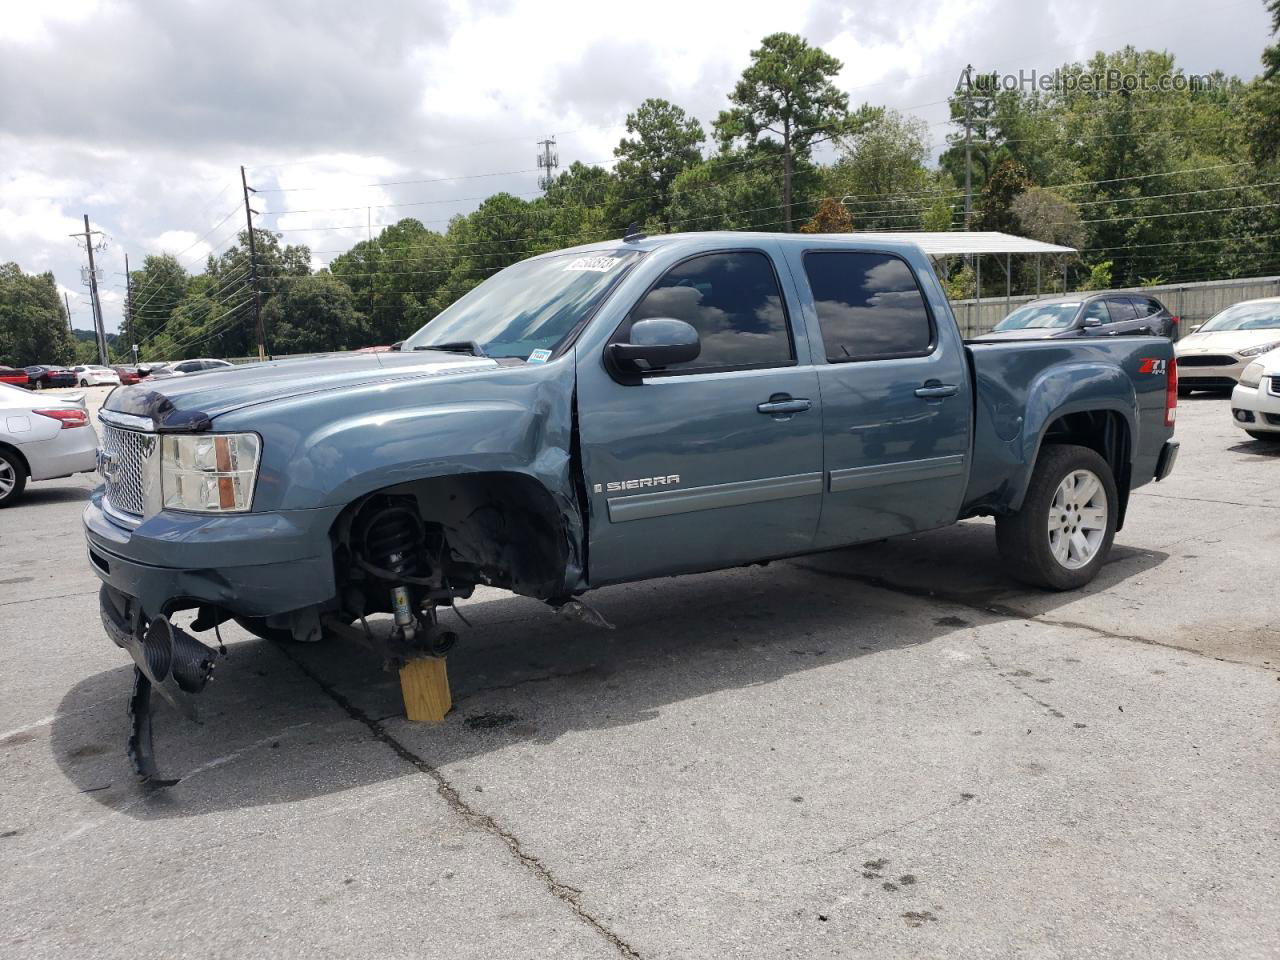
<point x="453" y="799"/>
<point x="1009" y="679"/>
<point x="889" y="831"/>
<point x="1225" y="503"/>
<point x="1014" y="613"/>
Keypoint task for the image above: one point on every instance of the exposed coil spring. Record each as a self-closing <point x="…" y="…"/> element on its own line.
<point x="393" y="544"/>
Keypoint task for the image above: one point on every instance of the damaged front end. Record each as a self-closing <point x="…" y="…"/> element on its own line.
<point x="166" y="659"/>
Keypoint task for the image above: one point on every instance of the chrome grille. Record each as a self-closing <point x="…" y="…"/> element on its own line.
<point x="123" y="464"/>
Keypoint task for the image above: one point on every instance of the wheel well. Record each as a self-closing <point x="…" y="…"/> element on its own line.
<point x="10" y="448"/>
<point x="501" y="529"/>
<point x="1104" y="431"/>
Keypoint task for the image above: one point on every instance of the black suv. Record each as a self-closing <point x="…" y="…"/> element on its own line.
<point x="1088" y="315"/>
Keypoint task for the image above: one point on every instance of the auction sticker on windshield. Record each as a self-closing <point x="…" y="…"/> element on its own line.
<point x="540" y="356"/>
<point x="595" y="264"/>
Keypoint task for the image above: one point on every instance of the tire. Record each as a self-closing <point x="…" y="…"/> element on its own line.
<point x="13" y="478"/>
<point x="258" y="627"/>
<point x="39" y="384"/>
<point x="1264" y="436"/>
<point x="1061" y="548"/>
<point x="84" y="383"/>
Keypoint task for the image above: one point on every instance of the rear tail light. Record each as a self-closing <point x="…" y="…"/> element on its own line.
<point x="1171" y="393"/>
<point x="70" y="416"/>
<point x="1175" y="320"/>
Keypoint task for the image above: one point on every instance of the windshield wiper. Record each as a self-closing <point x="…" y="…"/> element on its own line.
<point x="455" y="346"/>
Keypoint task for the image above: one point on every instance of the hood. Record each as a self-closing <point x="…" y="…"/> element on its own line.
<point x="1228" y="341"/>
<point x="191" y="402"/>
<point x="1035" y="333"/>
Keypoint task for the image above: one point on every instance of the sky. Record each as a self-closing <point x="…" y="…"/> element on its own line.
<point x="346" y="115"/>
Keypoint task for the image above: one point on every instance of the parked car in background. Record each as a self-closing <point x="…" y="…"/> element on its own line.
<point x="1255" y="401"/>
<point x="1214" y="354"/>
<point x="42" y="438"/>
<point x="1086" y="315"/>
<point x="128" y="375"/>
<point x="95" y="375"/>
<point x="14" y="376"/>
<point x="185" y="368"/>
<point x="42" y="376"/>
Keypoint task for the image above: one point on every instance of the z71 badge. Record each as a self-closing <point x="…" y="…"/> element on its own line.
<point x="1152" y="365"/>
<point x="615" y="486"/>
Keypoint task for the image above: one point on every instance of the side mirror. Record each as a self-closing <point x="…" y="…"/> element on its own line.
<point x="1196" y="327"/>
<point x="659" y="342"/>
<point x="1092" y="322"/>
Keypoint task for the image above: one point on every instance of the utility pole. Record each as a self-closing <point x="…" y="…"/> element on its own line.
<point x="968" y="151"/>
<point x="548" y="161"/>
<point x="92" y="280"/>
<point x="126" y="327"/>
<point x="66" y="302"/>
<point x="253" y="268"/>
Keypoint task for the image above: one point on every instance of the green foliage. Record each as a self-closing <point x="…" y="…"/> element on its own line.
<point x="33" y="324"/>
<point x="1099" y="277"/>
<point x="314" y="314"/>
<point x="665" y="142"/>
<point x="830" y="217"/>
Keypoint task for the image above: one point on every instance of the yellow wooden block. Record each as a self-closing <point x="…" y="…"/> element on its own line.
<point x="424" y="684"/>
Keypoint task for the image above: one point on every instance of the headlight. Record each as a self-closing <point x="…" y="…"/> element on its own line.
<point x="1260" y="350"/>
<point x="209" y="473"/>
<point x="1252" y="375"/>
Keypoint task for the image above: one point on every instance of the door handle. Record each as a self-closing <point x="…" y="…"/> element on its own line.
<point x="934" y="390"/>
<point x="784" y="405"/>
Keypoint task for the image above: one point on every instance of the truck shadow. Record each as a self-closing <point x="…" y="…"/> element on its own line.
<point x="284" y="724"/>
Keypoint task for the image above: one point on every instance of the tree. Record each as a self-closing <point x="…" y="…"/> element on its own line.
<point x="314" y="313"/>
<point x="786" y="92"/>
<point x="1048" y="217"/>
<point x="156" y="291"/>
<point x="1008" y="180"/>
<point x="666" y="141"/>
<point x="881" y="169"/>
<point x="33" y="325"/>
<point x="1262" y="113"/>
<point x="831" y="217"/>
<point x="1099" y="277"/>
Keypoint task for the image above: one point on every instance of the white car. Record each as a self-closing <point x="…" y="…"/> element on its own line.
<point x="1255" y="402"/>
<point x="42" y="437"/>
<point x="1213" y="355"/>
<point x="184" y="368"/>
<point x="93" y="375"/>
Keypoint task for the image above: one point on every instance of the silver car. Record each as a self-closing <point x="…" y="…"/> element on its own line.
<point x="1213" y="355"/>
<point x="42" y="437"/>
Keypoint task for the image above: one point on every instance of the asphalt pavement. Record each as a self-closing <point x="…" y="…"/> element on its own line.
<point x="890" y="751"/>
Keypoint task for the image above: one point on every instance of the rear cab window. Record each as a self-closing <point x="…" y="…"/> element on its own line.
<point x="869" y="306"/>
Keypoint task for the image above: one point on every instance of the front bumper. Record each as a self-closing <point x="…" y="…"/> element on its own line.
<point x="1221" y="377"/>
<point x="1256" y="408"/>
<point x="249" y="564"/>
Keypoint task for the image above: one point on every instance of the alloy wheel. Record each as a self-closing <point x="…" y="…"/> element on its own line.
<point x="1077" y="519"/>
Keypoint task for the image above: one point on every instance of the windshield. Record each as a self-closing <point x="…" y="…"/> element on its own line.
<point x="531" y="305"/>
<point x="1039" y="316"/>
<point x="1245" y="316"/>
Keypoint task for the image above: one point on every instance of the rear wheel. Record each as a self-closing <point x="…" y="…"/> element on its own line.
<point x="84" y="383"/>
<point x="39" y="384"/>
<point x="1061" y="536"/>
<point x="13" y="478"/>
<point x="1264" y="436"/>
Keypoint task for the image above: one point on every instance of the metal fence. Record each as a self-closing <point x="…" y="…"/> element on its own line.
<point x="1193" y="303"/>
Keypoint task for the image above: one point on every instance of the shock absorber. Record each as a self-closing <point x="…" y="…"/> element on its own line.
<point x="393" y="548"/>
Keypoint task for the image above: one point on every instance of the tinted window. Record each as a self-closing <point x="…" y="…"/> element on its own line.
<point x="1145" y="306"/>
<point x="868" y="306"/>
<point x="733" y="301"/>
<point x="1121" y="309"/>
<point x="1097" y="310"/>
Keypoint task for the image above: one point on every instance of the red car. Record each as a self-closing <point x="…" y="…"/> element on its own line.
<point x="128" y="375"/>
<point x="16" y="378"/>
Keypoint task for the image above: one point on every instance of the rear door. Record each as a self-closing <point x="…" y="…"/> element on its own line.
<point x="710" y="463"/>
<point x="1152" y="317"/>
<point x="1124" y="318"/>
<point x="896" y="403"/>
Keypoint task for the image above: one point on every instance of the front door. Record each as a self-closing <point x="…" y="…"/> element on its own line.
<point x="714" y="462"/>
<point x="896" y="403"/>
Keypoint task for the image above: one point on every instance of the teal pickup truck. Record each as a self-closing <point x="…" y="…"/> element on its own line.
<point x="609" y="413"/>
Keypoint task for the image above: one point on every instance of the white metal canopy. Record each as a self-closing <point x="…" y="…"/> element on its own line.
<point x="964" y="242"/>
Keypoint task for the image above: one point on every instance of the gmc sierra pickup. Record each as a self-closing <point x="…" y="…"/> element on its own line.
<point x="609" y="413"/>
